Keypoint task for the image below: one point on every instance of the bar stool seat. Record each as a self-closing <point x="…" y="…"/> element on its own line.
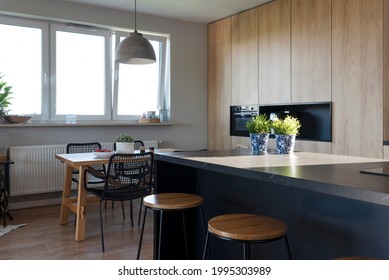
<point x="171" y="202"/>
<point x="247" y="228"/>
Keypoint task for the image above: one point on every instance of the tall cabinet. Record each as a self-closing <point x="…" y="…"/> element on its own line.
<point x="311" y="50"/>
<point x="274" y="52"/>
<point x="219" y="84"/>
<point x="244" y="77"/>
<point x="357" y="77"/>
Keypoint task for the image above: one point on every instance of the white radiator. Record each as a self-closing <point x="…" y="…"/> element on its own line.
<point x="36" y="170"/>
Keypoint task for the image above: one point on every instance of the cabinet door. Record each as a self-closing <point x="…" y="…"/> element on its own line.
<point x="274" y="52"/>
<point x="311" y="50"/>
<point x="219" y="84"/>
<point x="245" y="58"/>
<point x="386" y="72"/>
<point x="357" y="77"/>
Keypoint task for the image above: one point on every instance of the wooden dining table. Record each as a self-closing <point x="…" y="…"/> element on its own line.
<point x="77" y="204"/>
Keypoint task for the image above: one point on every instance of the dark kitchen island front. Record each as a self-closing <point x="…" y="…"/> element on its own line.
<point x="331" y="208"/>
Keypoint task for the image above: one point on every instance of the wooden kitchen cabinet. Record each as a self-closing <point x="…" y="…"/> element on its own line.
<point x="386" y="72"/>
<point x="245" y="58"/>
<point x="274" y="52"/>
<point x="357" y="77"/>
<point x="311" y="50"/>
<point x="219" y="84"/>
<point x="307" y="51"/>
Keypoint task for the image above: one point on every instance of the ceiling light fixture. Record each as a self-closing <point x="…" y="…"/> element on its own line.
<point x="135" y="49"/>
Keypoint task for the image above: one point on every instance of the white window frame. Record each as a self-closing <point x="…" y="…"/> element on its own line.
<point x="108" y="80"/>
<point x="30" y="23"/>
<point x="162" y="88"/>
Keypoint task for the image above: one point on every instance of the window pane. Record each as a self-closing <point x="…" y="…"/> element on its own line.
<point x="138" y="86"/>
<point x="21" y="64"/>
<point x="80" y="74"/>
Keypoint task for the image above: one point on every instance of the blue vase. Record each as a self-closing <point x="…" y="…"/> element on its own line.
<point x="285" y="143"/>
<point x="259" y="143"/>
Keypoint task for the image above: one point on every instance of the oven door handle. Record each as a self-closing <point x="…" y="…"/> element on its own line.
<point x="252" y="114"/>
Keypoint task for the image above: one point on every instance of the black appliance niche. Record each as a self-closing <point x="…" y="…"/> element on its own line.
<point x="315" y="118"/>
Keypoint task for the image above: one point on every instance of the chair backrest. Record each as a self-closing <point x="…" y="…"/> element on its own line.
<point x="73" y="148"/>
<point x="137" y="145"/>
<point x="129" y="176"/>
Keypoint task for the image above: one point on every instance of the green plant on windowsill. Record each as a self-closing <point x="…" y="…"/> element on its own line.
<point x="125" y="138"/>
<point x="5" y="96"/>
<point x="259" y="124"/>
<point x="287" y="126"/>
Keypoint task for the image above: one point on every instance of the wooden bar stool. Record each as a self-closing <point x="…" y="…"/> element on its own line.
<point x="246" y="228"/>
<point x="171" y="202"/>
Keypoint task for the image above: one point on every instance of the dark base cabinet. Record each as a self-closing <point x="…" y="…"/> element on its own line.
<point x="320" y="226"/>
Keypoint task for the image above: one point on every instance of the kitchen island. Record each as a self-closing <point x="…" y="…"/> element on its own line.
<point x="331" y="208"/>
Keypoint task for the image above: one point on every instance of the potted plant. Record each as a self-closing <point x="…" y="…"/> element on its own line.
<point x="259" y="129"/>
<point x="5" y="96"/>
<point x="124" y="143"/>
<point x="285" y="131"/>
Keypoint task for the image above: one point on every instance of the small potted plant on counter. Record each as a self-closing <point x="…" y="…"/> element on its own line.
<point x="259" y="129"/>
<point x="124" y="143"/>
<point x="285" y="131"/>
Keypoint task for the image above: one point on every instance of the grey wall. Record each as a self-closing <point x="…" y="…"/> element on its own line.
<point x="188" y="76"/>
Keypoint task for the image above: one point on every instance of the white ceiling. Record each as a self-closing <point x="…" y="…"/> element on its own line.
<point x="200" y="11"/>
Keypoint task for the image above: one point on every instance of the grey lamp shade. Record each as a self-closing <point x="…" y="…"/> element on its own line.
<point x="135" y="49"/>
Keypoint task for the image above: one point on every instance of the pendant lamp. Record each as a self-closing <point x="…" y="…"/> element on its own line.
<point x="135" y="49"/>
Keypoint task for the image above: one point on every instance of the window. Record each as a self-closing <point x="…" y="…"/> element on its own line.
<point x="83" y="79"/>
<point x="22" y="63"/>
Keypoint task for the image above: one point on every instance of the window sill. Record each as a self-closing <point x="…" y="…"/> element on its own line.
<point x="83" y="124"/>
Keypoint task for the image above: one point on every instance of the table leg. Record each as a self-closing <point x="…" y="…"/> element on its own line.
<point x="66" y="195"/>
<point x="3" y="197"/>
<point x="7" y="190"/>
<point x="81" y="204"/>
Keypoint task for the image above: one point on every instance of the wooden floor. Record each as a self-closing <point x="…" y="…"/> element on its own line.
<point x="45" y="239"/>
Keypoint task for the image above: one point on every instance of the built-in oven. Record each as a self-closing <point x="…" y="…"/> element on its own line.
<point x="239" y="115"/>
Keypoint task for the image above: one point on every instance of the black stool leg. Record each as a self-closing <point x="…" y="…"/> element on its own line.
<point x="131" y="214"/>
<point x="141" y="234"/>
<point x="205" y="230"/>
<point x="206" y="245"/>
<point x="287" y="247"/>
<point x="140" y="210"/>
<point x="246" y="250"/>
<point x="160" y="235"/>
<point x="185" y="241"/>
<point x="101" y="227"/>
<point x="202" y="221"/>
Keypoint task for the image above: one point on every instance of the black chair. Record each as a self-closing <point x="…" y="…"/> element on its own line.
<point x="128" y="177"/>
<point x="73" y="148"/>
<point x="137" y="145"/>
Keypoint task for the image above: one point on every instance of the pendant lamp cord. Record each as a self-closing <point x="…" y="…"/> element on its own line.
<point x="135" y="15"/>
